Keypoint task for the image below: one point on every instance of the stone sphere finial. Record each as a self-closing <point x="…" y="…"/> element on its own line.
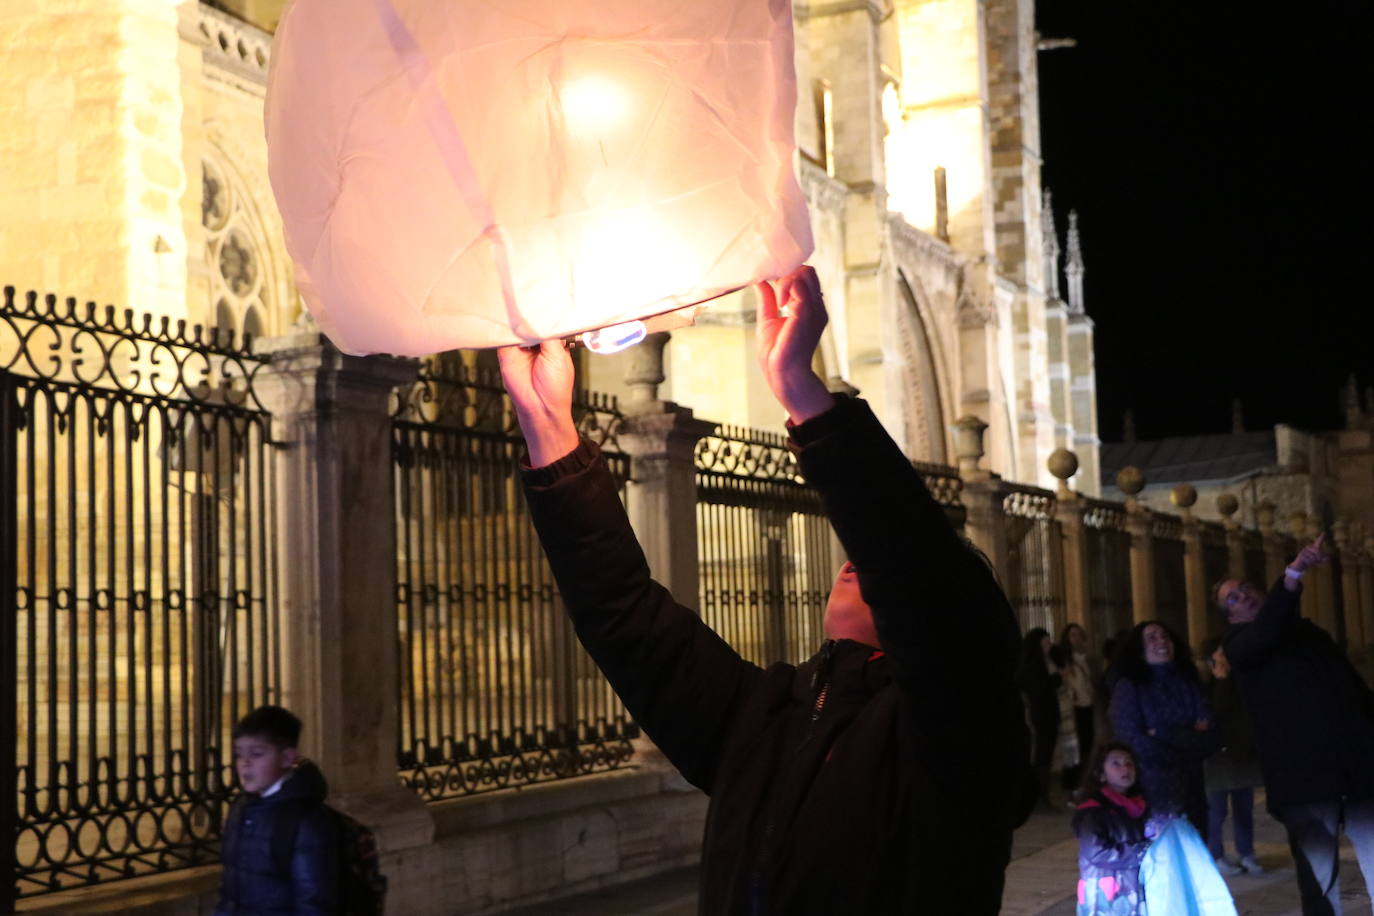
<point x="1297" y="524"/>
<point x="1183" y="495"/>
<point x="1062" y="463"/>
<point x="1130" y="480"/>
<point x="1265" y="516"/>
<point x="1227" y="505"/>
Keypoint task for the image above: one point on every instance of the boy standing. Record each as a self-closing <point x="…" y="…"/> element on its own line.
<point x="280" y="848"/>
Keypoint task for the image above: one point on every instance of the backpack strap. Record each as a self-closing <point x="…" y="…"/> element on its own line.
<point x="285" y="829"/>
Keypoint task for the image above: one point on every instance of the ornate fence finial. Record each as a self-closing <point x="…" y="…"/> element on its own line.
<point x="1051" y="245"/>
<point x="1265" y="517"/>
<point x="1063" y="464"/>
<point x="645" y="372"/>
<point x="1227" y="505"/>
<point x="1184" y="496"/>
<point x="968" y="446"/>
<point x="1074" y="269"/>
<point x="1130" y="480"/>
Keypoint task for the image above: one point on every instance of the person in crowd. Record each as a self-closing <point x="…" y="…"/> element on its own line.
<point x="1110" y="823"/>
<point x="1066" y="752"/>
<point x="268" y="870"/>
<point x="1232" y="773"/>
<point x="1040" y="679"/>
<point x="874" y="777"/>
<point x="1158" y="708"/>
<point x="1314" y="726"/>
<point x="1081" y="675"/>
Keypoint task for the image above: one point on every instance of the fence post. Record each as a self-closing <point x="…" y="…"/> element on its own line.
<point x="1366" y="564"/>
<point x="1274" y="547"/>
<point x="1068" y="510"/>
<point x="9" y="636"/>
<point x="661" y="437"/>
<point x="337" y="536"/>
<point x="985" y="522"/>
<point x="1350" y="588"/>
<point x="1228" y="505"/>
<point x="1184" y="496"/>
<point x="1139" y="522"/>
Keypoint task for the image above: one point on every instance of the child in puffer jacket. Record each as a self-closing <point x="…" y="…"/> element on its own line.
<point x="1110" y="826"/>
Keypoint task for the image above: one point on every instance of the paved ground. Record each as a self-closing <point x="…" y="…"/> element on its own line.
<point x="1040" y="880"/>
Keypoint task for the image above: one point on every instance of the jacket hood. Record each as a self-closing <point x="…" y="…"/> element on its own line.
<point x="305" y="783"/>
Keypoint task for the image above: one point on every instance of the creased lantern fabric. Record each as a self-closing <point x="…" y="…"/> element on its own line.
<point x="487" y="172"/>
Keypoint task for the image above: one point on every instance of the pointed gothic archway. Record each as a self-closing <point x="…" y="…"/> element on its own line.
<point x="923" y="411"/>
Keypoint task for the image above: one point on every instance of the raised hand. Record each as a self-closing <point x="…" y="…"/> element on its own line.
<point x="791" y="320"/>
<point x="1311" y="555"/>
<point x="539" y="381"/>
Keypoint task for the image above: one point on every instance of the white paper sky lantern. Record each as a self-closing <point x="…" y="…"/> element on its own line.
<point x="475" y="173"/>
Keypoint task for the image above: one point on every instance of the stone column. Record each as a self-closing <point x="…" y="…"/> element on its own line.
<point x="1355" y="637"/>
<point x="1139" y="522"/>
<point x="1275" y="550"/>
<point x="1184" y="496"/>
<point x="985" y="523"/>
<point x="1227" y="505"/>
<point x="1366" y="573"/>
<point x="1068" y="510"/>
<point x="337" y="556"/>
<point x="660" y="437"/>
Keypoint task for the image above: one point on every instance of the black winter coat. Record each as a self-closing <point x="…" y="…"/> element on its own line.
<point x="1312" y="714"/>
<point x="255" y="885"/>
<point x="859" y="782"/>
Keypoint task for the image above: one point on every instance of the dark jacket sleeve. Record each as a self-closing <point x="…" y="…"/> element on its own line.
<point x="315" y="878"/>
<point x="1128" y="723"/>
<point x="1248" y="644"/>
<point x="680" y="681"/>
<point x="934" y="598"/>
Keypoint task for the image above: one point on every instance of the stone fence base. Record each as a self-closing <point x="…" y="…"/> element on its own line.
<point x="490" y="852"/>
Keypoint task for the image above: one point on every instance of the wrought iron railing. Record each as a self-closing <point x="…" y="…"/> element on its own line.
<point x="137" y="554"/>
<point x="1035" y="575"/>
<point x="1108" y="548"/>
<point x="494" y="689"/>
<point x="765" y="551"/>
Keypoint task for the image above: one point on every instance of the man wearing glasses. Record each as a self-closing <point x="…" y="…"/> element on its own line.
<point x="1314" y="727"/>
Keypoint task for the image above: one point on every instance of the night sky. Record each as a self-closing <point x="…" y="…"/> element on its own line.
<point x="1221" y="167"/>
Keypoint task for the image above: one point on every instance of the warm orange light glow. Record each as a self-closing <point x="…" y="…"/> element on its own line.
<point x="595" y="102"/>
<point x="461" y="175"/>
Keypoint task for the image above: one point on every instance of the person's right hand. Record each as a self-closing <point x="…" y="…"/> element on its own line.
<point x="539" y="381"/>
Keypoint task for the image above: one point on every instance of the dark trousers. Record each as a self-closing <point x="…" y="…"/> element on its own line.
<point x="1242" y="803"/>
<point x="1084" y="728"/>
<point x="1314" y="836"/>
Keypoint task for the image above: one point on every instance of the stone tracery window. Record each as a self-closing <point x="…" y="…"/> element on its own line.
<point x="239" y="294"/>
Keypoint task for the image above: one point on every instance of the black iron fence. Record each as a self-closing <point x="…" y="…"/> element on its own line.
<point x="1171" y="588"/>
<point x="1107" y="545"/>
<point x="137" y="546"/>
<point x="1035" y="558"/>
<point x="766" y="554"/>
<point x="494" y="689"/>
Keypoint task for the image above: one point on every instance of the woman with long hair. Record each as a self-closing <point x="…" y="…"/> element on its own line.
<point x="1158" y="708"/>
<point x="1080" y="676"/>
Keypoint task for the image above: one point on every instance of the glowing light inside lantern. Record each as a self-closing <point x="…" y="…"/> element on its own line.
<point x="615" y="338"/>
<point x="595" y="102"/>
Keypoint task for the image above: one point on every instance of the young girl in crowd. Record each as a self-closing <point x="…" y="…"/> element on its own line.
<point x="1110" y="826"/>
